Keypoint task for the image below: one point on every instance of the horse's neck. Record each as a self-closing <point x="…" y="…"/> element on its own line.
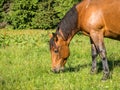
<point x="72" y="35"/>
<point x="81" y="6"/>
<point x="81" y="9"/>
<point x="74" y="31"/>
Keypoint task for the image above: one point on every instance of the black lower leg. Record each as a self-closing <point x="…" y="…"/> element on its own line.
<point x="94" y="65"/>
<point x="106" y="73"/>
<point x="94" y="55"/>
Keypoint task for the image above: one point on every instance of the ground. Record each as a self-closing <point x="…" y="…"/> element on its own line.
<point x="25" y="63"/>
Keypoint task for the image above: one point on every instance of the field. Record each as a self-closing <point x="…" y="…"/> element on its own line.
<point x="25" y="63"/>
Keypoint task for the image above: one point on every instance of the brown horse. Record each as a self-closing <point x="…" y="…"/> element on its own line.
<point x="96" y="19"/>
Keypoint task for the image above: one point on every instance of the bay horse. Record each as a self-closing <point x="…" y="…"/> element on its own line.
<point x="96" y="19"/>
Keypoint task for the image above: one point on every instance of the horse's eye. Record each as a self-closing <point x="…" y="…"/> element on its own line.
<point x="56" y="51"/>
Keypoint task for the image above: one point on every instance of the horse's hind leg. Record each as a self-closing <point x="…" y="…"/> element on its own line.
<point x="94" y="55"/>
<point x="97" y="37"/>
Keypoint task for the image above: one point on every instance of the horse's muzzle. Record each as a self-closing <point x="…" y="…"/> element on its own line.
<point x="58" y="70"/>
<point x="55" y="70"/>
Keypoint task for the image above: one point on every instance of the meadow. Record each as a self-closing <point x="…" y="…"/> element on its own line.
<point x="25" y="63"/>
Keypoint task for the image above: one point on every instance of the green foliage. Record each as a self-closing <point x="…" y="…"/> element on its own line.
<point x="45" y="17"/>
<point x="62" y="6"/>
<point x="4" y="8"/>
<point x="22" y="12"/>
<point x="1" y="10"/>
<point x="33" y="14"/>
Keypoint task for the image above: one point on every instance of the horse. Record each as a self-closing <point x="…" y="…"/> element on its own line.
<point x="94" y="18"/>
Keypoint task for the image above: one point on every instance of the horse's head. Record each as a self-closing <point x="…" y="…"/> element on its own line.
<point x="59" y="52"/>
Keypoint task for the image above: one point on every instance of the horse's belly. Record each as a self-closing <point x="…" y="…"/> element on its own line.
<point x="112" y="35"/>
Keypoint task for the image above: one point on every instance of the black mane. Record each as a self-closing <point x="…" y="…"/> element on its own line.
<point x="69" y="22"/>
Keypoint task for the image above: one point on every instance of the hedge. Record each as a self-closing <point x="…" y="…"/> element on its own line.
<point x="33" y="14"/>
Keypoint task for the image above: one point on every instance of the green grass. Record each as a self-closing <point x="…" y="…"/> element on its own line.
<point x="25" y="63"/>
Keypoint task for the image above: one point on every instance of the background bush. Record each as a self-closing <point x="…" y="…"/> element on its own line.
<point x="33" y="14"/>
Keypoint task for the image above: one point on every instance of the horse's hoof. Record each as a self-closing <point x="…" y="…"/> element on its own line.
<point x="93" y="71"/>
<point x="105" y="77"/>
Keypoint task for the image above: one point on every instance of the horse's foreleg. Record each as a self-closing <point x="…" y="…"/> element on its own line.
<point x="106" y="72"/>
<point x="94" y="55"/>
<point x="97" y="38"/>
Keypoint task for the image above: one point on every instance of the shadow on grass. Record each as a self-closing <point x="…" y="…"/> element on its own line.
<point x="76" y="68"/>
<point x="111" y="61"/>
<point x="112" y="64"/>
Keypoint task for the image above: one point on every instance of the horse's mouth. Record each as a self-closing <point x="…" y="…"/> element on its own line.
<point x="58" y="70"/>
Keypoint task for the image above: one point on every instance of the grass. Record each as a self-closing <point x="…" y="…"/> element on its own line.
<point x="25" y="63"/>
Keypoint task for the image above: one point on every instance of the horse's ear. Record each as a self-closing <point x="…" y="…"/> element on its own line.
<point x="50" y="35"/>
<point x="55" y="36"/>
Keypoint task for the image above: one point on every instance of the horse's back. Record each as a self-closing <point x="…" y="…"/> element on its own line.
<point x="111" y="16"/>
<point x="104" y="13"/>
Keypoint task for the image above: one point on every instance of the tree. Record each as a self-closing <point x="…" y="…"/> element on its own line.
<point x="45" y="17"/>
<point x="4" y="8"/>
<point x="62" y="6"/>
<point x="22" y="12"/>
<point x="34" y="14"/>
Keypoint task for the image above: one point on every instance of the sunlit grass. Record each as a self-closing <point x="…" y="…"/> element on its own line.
<point x="25" y="63"/>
